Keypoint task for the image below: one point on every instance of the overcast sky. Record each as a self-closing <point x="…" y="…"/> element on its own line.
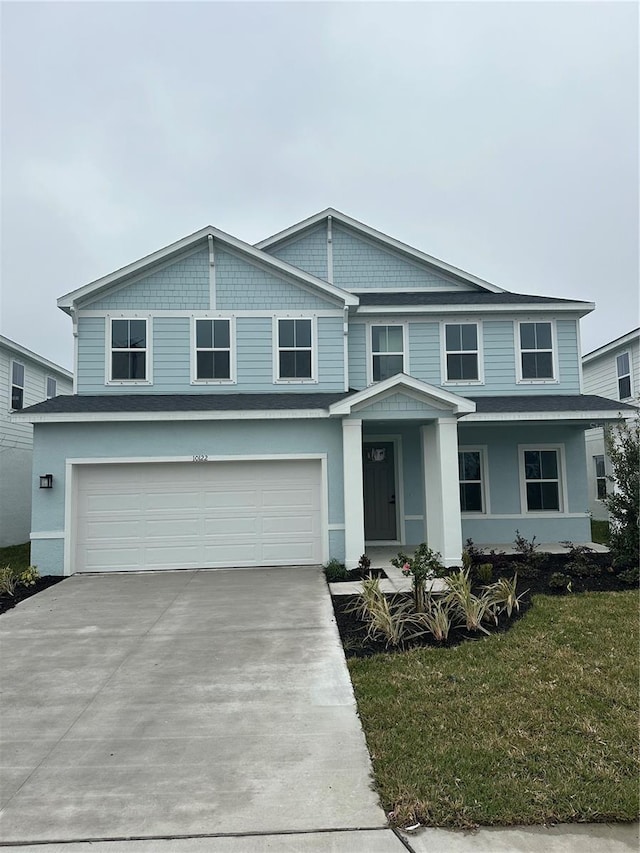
<point x="499" y="137"/>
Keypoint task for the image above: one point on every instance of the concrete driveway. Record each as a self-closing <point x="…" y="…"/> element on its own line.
<point x="179" y="703"/>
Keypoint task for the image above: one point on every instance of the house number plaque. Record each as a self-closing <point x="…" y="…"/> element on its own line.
<point x="200" y="457"/>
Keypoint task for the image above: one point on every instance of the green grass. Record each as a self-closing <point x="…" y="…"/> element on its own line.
<point x="535" y="725"/>
<point x="600" y="531"/>
<point x="16" y="556"/>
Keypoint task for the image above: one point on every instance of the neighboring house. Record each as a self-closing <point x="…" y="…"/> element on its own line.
<point x="612" y="370"/>
<point x="323" y="391"/>
<point x="25" y="378"/>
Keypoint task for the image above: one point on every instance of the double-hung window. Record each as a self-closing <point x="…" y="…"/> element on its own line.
<point x="387" y="351"/>
<point x="52" y="387"/>
<point x="623" y="370"/>
<point x="601" y="477"/>
<point x="213" y="350"/>
<point x="536" y="352"/>
<point x="462" y="357"/>
<point x="541" y="479"/>
<point x="129" y="350"/>
<point x="295" y="350"/>
<point x="472" y="487"/>
<point x="17" y="385"/>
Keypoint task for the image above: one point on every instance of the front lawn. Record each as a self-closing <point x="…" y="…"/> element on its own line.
<point x="536" y="725"/>
<point x="16" y="556"/>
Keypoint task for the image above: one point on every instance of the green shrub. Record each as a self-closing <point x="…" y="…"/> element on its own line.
<point x="580" y="561"/>
<point x="560" y="581"/>
<point x="600" y="531"/>
<point x="437" y="619"/>
<point x="28" y="576"/>
<point x="364" y="564"/>
<point x="630" y="576"/>
<point x="531" y="560"/>
<point x="623" y="501"/>
<point x="471" y="608"/>
<point x="503" y="597"/>
<point x="485" y="572"/>
<point x="425" y="565"/>
<point x="335" y="571"/>
<point x="387" y="618"/>
<point x="8" y="581"/>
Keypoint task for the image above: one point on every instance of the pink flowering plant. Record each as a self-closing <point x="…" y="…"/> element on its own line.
<point x="425" y="565"/>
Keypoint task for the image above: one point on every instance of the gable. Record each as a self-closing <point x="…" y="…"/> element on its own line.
<point x="307" y="252"/>
<point x="183" y="284"/>
<point x="397" y="404"/>
<point x="241" y="285"/>
<point x="361" y="264"/>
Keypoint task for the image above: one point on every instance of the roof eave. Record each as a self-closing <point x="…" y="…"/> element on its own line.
<point x="579" y="308"/>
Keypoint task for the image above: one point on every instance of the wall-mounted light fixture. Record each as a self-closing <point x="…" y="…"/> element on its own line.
<point x="46" y="481"/>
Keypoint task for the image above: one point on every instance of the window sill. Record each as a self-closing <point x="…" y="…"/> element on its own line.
<point x="121" y="382"/>
<point x="213" y="382"/>
<point x="537" y="381"/>
<point x="462" y="382"/>
<point x="295" y="381"/>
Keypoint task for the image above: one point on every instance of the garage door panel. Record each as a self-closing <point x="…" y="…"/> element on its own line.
<point x="181" y="515"/>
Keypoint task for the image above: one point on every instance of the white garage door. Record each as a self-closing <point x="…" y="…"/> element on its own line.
<point x="190" y="515"/>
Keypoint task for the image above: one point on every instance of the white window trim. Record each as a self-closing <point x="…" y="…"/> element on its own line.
<point x="369" y="346"/>
<point x="232" y="354"/>
<point x="482" y="449"/>
<point x="562" y="480"/>
<point x="108" y="350"/>
<point x="624" y="376"/>
<point x="13" y="384"/>
<point x="46" y="387"/>
<point x="554" y="354"/>
<point x="275" y="337"/>
<point x="444" y="380"/>
<point x="596" y="477"/>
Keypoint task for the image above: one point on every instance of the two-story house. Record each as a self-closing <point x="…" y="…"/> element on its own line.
<point x="612" y="370"/>
<point x="323" y="391"/>
<point x="25" y="378"/>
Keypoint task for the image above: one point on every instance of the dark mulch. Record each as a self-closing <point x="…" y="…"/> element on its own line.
<point x="360" y="575"/>
<point x="22" y="592"/>
<point x="599" y="577"/>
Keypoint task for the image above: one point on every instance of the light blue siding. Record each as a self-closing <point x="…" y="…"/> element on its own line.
<point x="307" y="252"/>
<point x="171" y="356"/>
<point x="357" y="356"/>
<point x="499" y="359"/>
<point x="241" y="285"/>
<point x="400" y="406"/>
<point x="183" y="284"/>
<point x="363" y="264"/>
<point x="424" y="352"/>
<point x="55" y="442"/>
<point x="568" y="355"/>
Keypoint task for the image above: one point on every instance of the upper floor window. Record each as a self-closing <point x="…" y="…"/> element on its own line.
<point x="540" y="472"/>
<point x="213" y="350"/>
<point x="536" y="351"/>
<point x="17" y="385"/>
<point x="623" y="370"/>
<point x="295" y="349"/>
<point x="387" y="351"/>
<point x="601" y="477"/>
<point x="471" y="476"/>
<point x="52" y="387"/>
<point x="461" y="345"/>
<point x="129" y="350"/>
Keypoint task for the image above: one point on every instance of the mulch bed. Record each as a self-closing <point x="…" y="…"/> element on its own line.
<point x="353" y="631"/>
<point x="22" y="592"/>
<point x="360" y="575"/>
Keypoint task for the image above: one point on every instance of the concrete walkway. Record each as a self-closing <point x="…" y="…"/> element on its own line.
<point x="179" y="703"/>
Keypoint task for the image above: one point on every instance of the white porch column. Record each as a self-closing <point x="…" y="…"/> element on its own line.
<point x="353" y="492"/>
<point x="442" y="489"/>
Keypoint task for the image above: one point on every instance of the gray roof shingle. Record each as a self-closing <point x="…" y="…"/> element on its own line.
<point x="547" y="403"/>
<point x="461" y="297"/>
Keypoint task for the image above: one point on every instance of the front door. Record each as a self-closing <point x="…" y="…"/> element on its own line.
<point x="379" y="478"/>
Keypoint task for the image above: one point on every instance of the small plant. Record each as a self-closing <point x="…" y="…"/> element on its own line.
<point x="471" y="608"/>
<point x="364" y="564"/>
<point x="503" y="597"/>
<point x="437" y="620"/>
<point x="630" y="576"/>
<point x="485" y="572"/>
<point x="559" y="581"/>
<point x="8" y="581"/>
<point x="388" y="618"/>
<point x="580" y="561"/>
<point x="335" y="571"/>
<point x="28" y="576"/>
<point x="532" y="559"/>
<point x="623" y="500"/>
<point x="471" y="555"/>
<point x="425" y="565"/>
